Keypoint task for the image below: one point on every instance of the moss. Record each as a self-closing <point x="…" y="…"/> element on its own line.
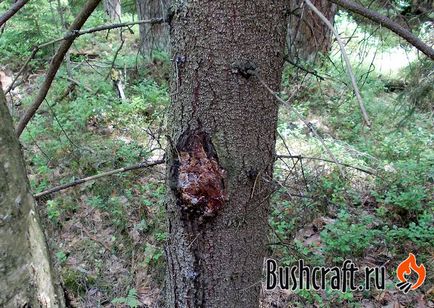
<point x="77" y="281"/>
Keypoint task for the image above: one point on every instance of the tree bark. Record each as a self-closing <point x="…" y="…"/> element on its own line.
<point x="307" y="34"/>
<point x="26" y="276"/>
<point x="222" y="136"/>
<point x="113" y="9"/>
<point x="153" y="36"/>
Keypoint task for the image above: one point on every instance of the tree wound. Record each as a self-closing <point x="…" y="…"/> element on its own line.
<point x="199" y="179"/>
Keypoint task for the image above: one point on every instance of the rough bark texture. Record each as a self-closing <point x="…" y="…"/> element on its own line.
<point x="113" y="9"/>
<point x="153" y="36"/>
<point x="26" y="278"/>
<point x="307" y="34"/>
<point x="222" y="135"/>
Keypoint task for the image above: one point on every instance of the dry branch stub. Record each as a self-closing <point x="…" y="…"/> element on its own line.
<point x="197" y="176"/>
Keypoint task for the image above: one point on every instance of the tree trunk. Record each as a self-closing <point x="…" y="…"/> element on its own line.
<point x="307" y="34"/>
<point x="222" y="135"/>
<point x="26" y="278"/>
<point x="113" y="9"/>
<point x="153" y="37"/>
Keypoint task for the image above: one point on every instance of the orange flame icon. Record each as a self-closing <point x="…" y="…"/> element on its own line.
<point x="405" y="268"/>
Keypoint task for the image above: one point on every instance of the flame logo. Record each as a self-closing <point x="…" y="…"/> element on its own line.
<point x="405" y="268"/>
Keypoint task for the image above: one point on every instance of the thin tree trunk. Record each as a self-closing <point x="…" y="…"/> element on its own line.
<point x="307" y="34"/>
<point x="26" y="276"/>
<point x="222" y="135"/>
<point x="153" y="36"/>
<point x="113" y="9"/>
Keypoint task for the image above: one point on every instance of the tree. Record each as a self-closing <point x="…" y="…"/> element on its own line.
<point x="153" y="36"/>
<point x="307" y="34"/>
<point x="113" y="9"/>
<point x="222" y="135"/>
<point x="26" y="276"/>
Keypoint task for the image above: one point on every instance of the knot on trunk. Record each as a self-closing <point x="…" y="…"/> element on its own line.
<point x="245" y="68"/>
<point x="200" y="179"/>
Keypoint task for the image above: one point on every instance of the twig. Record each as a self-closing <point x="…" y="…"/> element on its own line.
<point x="68" y="39"/>
<point x="272" y="180"/>
<point x="286" y="146"/>
<point x="11" y="12"/>
<point x="346" y="59"/>
<point x="92" y="237"/>
<point x="79" y="84"/>
<point x="302" y="173"/>
<point x="111" y="26"/>
<point x="89" y="7"/>
<point x="115" y="57"/>
<point x="303" y="69"/>
<point x="326" y="160"/>
<point x="94" y="177"/>
<point x="388" y="23"/>
<point x="76" y="34"/>
<point x="30" y="58"/>
<point x="117" y="82"/>
<point x="287" y="105"/>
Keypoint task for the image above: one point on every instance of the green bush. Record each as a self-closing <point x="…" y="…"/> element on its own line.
<point x="346" y="238"/>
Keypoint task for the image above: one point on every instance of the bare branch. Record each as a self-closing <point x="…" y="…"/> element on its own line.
<point x="94" y="177"/>
<point x="56" y="62"/>
<point x="79" y="84"/>
<point x="346" y="59"/>
<point x="11" y="12"/>
<point x="76" y="34"/>
<point x="326" y="160"/>
<point x="387" y="23"/>
<point x="288" y="105"/>
<point x="21" y="70"/>
<point x="303" y="68"/>
<point x="152" y="21"/>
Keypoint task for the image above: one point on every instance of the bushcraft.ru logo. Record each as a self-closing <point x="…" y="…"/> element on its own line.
<point x="410" y="275"/>
<point x="341" y="278"/>
<point x="407" y="268"/>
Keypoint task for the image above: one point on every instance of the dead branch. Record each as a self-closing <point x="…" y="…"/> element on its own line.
<point x="79" y="84"/>
<point x="328" y="161"/>
<point x="76" y="33"/>
<point x="288" y="105"/>
<point x="346" y="59"/>
<point x="11" y="12"/>
<point x="387" y="23"/>
<point x="97" y="176"/>
<point x="57" y="60"/>
<point x="152" y="21"/>
<point x="95" y="239"/>
<point x="303" y="68"/>
<point x="73" y="35"/>
<point x="34" y="51"/>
